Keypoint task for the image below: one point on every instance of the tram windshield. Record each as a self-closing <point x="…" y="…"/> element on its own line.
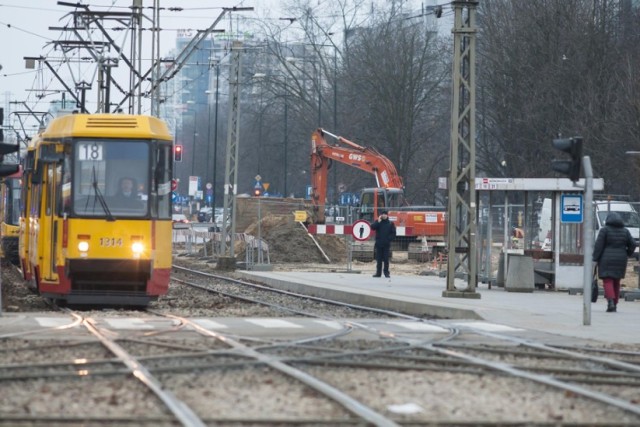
<point x="110" y="178"/>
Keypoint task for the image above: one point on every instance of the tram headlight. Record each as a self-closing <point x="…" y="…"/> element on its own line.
<point x="137" y="248"/>
<point x="83" y="246"/>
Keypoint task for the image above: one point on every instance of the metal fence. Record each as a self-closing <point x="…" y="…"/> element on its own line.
<point x="200" y="239"/>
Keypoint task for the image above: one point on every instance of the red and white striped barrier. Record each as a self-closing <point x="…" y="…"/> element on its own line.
<point x="329" y="229"/>
<point x="347" y="229"/>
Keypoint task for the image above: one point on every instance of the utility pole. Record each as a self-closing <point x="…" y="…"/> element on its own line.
<point x="228" y="260"/>
<point x="462" y="217"/>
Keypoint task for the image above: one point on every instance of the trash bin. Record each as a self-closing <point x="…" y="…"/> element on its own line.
<point x="520" y="276"/>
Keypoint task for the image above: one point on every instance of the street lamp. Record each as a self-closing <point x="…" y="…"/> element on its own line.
<point x="195" y="134"/>
<point x="260" y="78"/>
<point x="208" y="92"/>
<point x="213" y="168"/>
<point x="191" y="105"/>
<point x="193" y="150"/>
<point x="215" y="139"/>
<point x="286" y="141"/>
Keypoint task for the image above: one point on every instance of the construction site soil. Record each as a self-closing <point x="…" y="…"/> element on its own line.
<point x="289" y="242"/>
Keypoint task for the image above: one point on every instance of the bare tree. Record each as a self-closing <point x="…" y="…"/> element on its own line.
<point x="549" y="68"/>
<point x="370" y="76"/>
<point x="394" y="78"/>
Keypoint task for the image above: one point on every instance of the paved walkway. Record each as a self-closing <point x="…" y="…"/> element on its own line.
<point x="546" y="311"/>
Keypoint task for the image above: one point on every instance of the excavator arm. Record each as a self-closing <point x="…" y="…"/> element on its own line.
<point x="349" y="153"/>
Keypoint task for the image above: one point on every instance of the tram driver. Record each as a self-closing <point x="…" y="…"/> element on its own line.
<point x="127" y="195"/>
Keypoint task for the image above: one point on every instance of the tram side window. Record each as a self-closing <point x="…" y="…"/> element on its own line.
<point x="23" y="195"/>
<point x="35" y="200"/>
<point x="65" y="185"/>
<point x="15" y="202"/>
<point x="4" y="204"/>
<point x="162" y="184"/>
<point x="48" y="190"/>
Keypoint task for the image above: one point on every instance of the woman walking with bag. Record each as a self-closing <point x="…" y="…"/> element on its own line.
<point x="613" y="247"/>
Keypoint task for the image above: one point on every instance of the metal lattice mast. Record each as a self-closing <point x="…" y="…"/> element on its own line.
<point x="231" y="166"/>
<point x="461" y="224"/>
<point x="155" y="60"/>
<point x="135" y="72"/>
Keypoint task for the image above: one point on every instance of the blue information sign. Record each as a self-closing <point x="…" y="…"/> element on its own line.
<point x="571" y="208"/>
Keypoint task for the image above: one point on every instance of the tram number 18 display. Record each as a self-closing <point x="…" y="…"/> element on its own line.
<point x="90" y="152"/>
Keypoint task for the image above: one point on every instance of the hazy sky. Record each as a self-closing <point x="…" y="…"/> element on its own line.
<point x="24" y="31"/>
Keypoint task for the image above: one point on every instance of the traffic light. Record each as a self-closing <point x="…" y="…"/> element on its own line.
<point x="6" y="170"/>
<point x="573" y="147"/>
<point x="177" y="153"/>
<point x="257" y="192"/>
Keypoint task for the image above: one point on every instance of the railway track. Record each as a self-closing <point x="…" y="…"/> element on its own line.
<point x="572" y="376"/>
<point x="376" y="368"/>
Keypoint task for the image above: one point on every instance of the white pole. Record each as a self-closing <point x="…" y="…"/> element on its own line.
<point x="588" y="240"/>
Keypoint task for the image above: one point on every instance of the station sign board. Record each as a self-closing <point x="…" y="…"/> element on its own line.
<point x="535" y="184"/>
<point x="571" y="208"/>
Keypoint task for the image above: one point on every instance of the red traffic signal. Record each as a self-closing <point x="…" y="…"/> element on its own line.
<point x="177" y="153"/>
<point x="174" y="184"/>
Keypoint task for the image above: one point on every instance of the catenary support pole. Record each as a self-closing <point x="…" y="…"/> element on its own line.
<point x="461" y="211"/>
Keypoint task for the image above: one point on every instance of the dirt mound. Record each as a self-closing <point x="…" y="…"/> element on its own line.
<point x="289" y="241"/>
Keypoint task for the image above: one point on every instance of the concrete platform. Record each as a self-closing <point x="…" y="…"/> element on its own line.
<point x="554" y="312"/>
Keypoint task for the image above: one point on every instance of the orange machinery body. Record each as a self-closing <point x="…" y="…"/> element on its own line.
<point x="429" y="224"/>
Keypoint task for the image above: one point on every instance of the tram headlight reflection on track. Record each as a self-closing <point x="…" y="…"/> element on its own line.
<point x="137" y="249"/>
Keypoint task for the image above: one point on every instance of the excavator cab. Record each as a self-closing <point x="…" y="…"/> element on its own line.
<point x="372" y="200"/>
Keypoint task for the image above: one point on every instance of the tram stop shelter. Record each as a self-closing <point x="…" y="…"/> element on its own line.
<point x="532" y="224"/>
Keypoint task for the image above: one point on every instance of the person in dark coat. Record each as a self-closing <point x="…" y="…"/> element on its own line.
<point x="127" y="195"/>
<point x="385" y="233"/>
<point x="614" y="245"/>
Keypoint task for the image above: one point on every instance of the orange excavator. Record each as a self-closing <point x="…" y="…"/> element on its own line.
<point x="427" y="225"/>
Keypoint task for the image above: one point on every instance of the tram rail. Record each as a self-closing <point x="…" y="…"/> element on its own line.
<point x="369" y="344"/>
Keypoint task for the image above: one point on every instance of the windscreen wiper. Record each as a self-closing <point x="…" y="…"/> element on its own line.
<point x="99" y="196"/>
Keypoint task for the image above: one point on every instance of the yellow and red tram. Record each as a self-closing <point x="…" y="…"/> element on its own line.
<point x="96" y="213"/>
<point x="10" y="215"/>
